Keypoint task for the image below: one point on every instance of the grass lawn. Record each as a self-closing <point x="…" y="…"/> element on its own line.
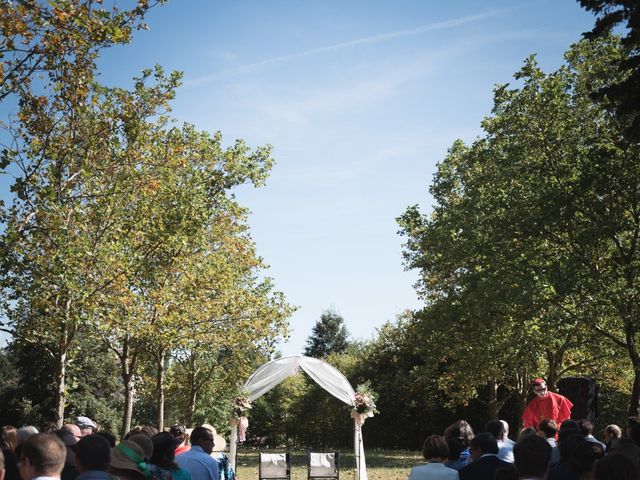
<point x="381" y="464"/>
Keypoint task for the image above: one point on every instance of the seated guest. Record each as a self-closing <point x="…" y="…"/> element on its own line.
<point x="526" y="432"/>
<point x="42" y="455"/>
<point x="48" y="427"/>
<point x="631" y="421"/>
<point x="219" y="444"/>
<point x="505" y="449"/>
<point x="147" y="430"/>
<point x="586" y="429"/>
<point x="584" y="458"/>
<point x="25" y="432"/>
<point x="568" y="440"/>
<point x="73" y="429"/>
<point x="70" y="470"/>
<point x="627" y="448"/>
<point x="127" y="462"/>
<point x="461" y="431"/>
<point x="86" y="425"/>
<point x="453" y="459"/>
<point x="484" y="458"/>
<point x="615" y="467"/>
<point x="506" y="473"/>
<point x="569" y="425"/>
<point x="506" y="440"/>
<point x="197" y="461"/>
<point x="109" y="437"/>
<point x="8" y="444"/>
<point x="93" y="454"/>
<point x="146" y="444"/>
<point x="8" y="436"/>
<point x="548" y="429"/>
<point x="180" y="433"/>
<point x="162" y="464"/>
<point x="435" y="452"/>
<point x="610" y="433"/>
<point x="532" y="457"/>
<point x="634" y="434"/>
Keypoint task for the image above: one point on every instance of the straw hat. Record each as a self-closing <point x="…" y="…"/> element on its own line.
<point x="219" y="442"/>
<point x="128" y="455"/>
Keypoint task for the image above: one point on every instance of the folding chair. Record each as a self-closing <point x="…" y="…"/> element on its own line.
<point x="323" y="465"/>
<point x="274" y="465"/>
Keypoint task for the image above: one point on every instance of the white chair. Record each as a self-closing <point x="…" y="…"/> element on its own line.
<point x="274" y="465"/>
<point x="323" y="465"/>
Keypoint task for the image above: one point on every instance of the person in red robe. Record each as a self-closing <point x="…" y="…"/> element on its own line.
<point x="545" y="404"/>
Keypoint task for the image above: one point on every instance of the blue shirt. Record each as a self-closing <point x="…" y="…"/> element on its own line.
<point x="199" y="464"/>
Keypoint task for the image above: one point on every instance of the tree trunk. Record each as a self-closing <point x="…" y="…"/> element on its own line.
<point x="193" y="389"/>
<point x="128" y="405"/>
<point x="61" y="367"/>
<point x="127" y="364"/>
<point x="160" y="375"/>
<point x="493" y="400"/>
<point x="193" y="396"/>
<point x="555" y="361"/>
<point x="60" y="387"/>
<point x="634" y="402"/>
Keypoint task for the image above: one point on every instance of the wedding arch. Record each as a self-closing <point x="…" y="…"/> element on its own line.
<point x="327" y="376"/>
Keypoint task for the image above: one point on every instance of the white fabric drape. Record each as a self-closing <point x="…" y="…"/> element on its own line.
<point x="327" y="376"/>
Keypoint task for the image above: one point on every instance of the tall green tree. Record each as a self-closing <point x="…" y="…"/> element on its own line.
<point x="189" y="272"/>
<point x="532" y="243"/>
<point x="52" y="144"/>
<point x="329" y="335"/>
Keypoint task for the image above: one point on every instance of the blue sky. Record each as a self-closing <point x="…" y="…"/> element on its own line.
<point x="360" y="100"/>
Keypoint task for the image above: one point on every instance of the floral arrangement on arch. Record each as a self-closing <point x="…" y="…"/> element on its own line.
<point x="365" y="401"/>
<point x="241" y="406"/>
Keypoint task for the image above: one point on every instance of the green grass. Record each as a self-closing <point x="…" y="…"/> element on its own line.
<point x="381" y="464"/>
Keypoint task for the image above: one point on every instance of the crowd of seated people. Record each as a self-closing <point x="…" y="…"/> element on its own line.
<point x="568" y="451"/>
<point x="80" y="451"/>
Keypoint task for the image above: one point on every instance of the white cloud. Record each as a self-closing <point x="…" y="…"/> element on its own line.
<point x="383" y="37"/>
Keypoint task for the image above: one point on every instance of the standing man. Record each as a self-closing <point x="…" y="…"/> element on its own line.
<point x="198" y="461"/>
<point x="42" y="457"/>
<point x="545" y="404"/>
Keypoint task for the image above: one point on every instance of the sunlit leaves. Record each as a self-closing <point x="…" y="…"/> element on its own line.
<point x="531" y="248"/>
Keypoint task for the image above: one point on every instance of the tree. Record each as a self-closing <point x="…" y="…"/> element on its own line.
<point x="52" y="145"/>
<point x="623" y="95"/>
<point x="130" y="231"/>
<point x="189" y="271"/>
<point x="123" y="225"/>
<point x="60" y="39"/>
<point x="532" y="243"/>
<point x="329" y="335"/>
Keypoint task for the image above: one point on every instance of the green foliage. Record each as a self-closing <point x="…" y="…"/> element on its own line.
<point x="329" y="335"/>
<point x="274" y="422"/>
<point x="124" y="227"/>
<point x="526" y="260"/>
<point x="61" y="39"/>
